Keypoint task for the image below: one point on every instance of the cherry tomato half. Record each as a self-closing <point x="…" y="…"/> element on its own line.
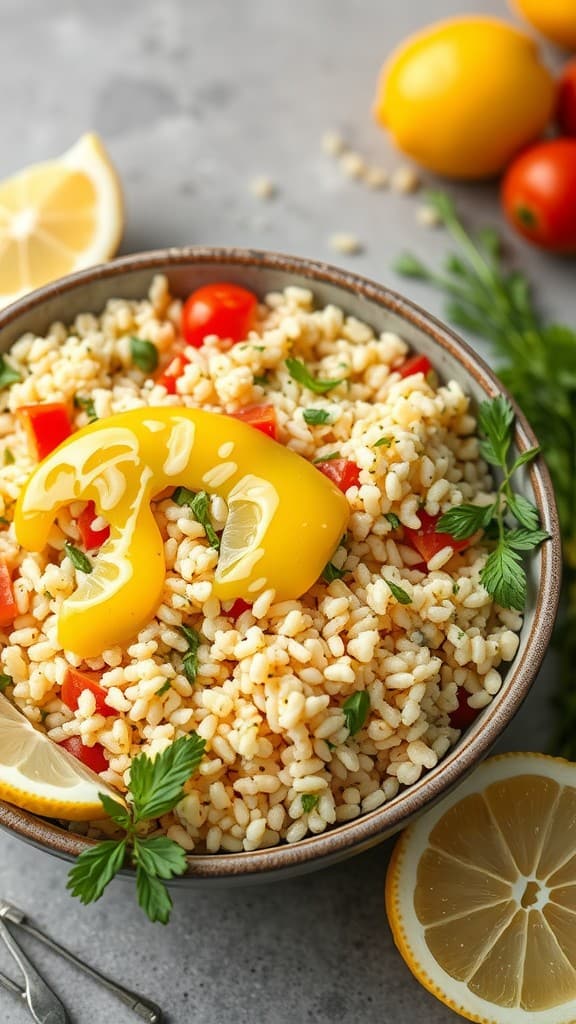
<point x="261" y="417"/>
<point x="91" y="539"/>
<point x="463" y="716"/>
<point x="539" y="195"/>
<point x="8" y="606"/>
<point x="566" y="109"/>
<point x="427" y="541"/>
<point x="341" y="472"/>
<point x="75" y="683"/>
<point x="92" y="757"/>
<point x="226" y="310"/>
<point x="173" y="371"/>
<point x="416" y="364"/>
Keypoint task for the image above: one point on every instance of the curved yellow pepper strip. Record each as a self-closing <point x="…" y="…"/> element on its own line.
<point x="285" y="517"/>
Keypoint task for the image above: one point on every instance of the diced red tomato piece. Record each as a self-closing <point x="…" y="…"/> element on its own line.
<point x="173" y="371"/>
<point x="341" y="472"/>
<point x="92" y="757"/>
<point x="8" y="607"/>
<point x="427" y="541"/>
<point x="75" y="683"/>
<point x="46" y="426"/>
<point x="91" y="538"/>
<point x="224" y="309"/>
<point x="261" y="417"/>
<point x="416" y="364"/>
<point x="463" y="716"/>
<point x="239" y="606"/>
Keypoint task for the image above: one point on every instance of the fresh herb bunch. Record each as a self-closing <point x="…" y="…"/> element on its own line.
<point x="156" y="786"/>
<point x="538" y="366"/>
<point x="503" y="575"/>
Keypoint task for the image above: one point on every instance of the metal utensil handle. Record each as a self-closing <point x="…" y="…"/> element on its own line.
<point x="43" y="1003"/>
<point x="145" y="1008"/>
<point x="11" y="986"/>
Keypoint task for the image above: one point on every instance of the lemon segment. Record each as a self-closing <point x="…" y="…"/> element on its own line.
<point x="57" y="217"/>
<point x="39" y="776"/>
<point x="481" y="894"/>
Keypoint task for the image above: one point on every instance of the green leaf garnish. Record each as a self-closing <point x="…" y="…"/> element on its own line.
<point x="464" y="520"/>
<point x="392" y="519"/>
<point x="315" y="417"/>
<point x="301" y="374"/>
<point x="5" y="681"/>
<point x="327" y="458"/>
<point x="156" y="786"/>
<point x="190" y="658"/>
<point x="87" y="404"/>
<point x="144" y="354"/>
<point x="383" y="442"/>
<point x="95" y="868"/>
<point x="163" y="689"/>
<point x="199" y="505"/>
<point x="309" y="801"/>
<point x="331" y="573"/>
<point x="8" y="375"/>
<point x="79" y="560"/>
<point x="401" y="596"/>
<point x="356" y="710"/>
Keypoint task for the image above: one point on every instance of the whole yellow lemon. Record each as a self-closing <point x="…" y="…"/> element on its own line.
<point x="555" y="19"/>
<point x="464" y="95"/>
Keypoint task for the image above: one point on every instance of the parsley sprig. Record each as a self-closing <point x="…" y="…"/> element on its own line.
<point x="156" y="786"/>
<point x="537" y="362"/>
<point x="301" y="374"/>
<point x="503" y="575"/>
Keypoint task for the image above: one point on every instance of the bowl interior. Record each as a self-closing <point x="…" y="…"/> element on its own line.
<point x="384" y="310"/>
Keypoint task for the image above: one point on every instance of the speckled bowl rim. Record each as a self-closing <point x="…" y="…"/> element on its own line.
<point x="371" y="828"/>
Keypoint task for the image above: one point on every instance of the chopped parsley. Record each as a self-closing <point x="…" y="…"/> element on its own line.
<point x="314" y="417"/>
<point x="144" y="354"/>
<point x="79" y="560"/>
<point x="8" y="375"/>
<point x="301" y="374"/>
<point x="356" y="710"/>
<point x="309" y="802"/>
<point x="392" y="519"/>
<point x="190" y="657"/>
<point x="401" y="596"/>
<point x="199" y="505"/>
<point x="87" y="405"/>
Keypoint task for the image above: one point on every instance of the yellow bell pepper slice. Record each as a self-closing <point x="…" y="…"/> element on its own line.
<point x="285" y="518"/>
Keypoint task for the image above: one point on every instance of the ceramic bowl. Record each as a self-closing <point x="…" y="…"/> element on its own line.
<point x="187" y="269"/>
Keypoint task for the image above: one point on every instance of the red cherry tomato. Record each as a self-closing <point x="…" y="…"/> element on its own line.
<point x="566" y="109"/>
<point x="91" y="538"/>
<point x="226" y="310"/>
<point x="239" y="606"/>
<point x="173" y="371"/>
<point x="427" y="541"/>
<point x="8" y="606"/>
<point x="341" y="472"/>
<point x="46" y="426"/>
<point x="416" y="364"/>
<point x="75" y="683"/>
<point x="261" y="417"/>
<point x="463" y="716"/>
<point x="92" y="757"/>
<point x="539" y="195"/>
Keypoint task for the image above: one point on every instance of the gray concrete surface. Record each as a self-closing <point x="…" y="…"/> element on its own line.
<point x="194" y="99"/>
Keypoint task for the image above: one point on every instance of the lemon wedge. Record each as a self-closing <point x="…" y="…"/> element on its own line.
<point x="57" y="217"/>
<point x="39" y="776"/>
<point x="252" y="504"/>
<point x="481" y="894"/>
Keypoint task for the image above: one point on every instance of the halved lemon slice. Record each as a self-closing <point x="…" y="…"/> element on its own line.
<point x="252" y="504"/>
<point x="39" y="776"/>
<point x="57" y="217"/>
<point x="481" y="894"/>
